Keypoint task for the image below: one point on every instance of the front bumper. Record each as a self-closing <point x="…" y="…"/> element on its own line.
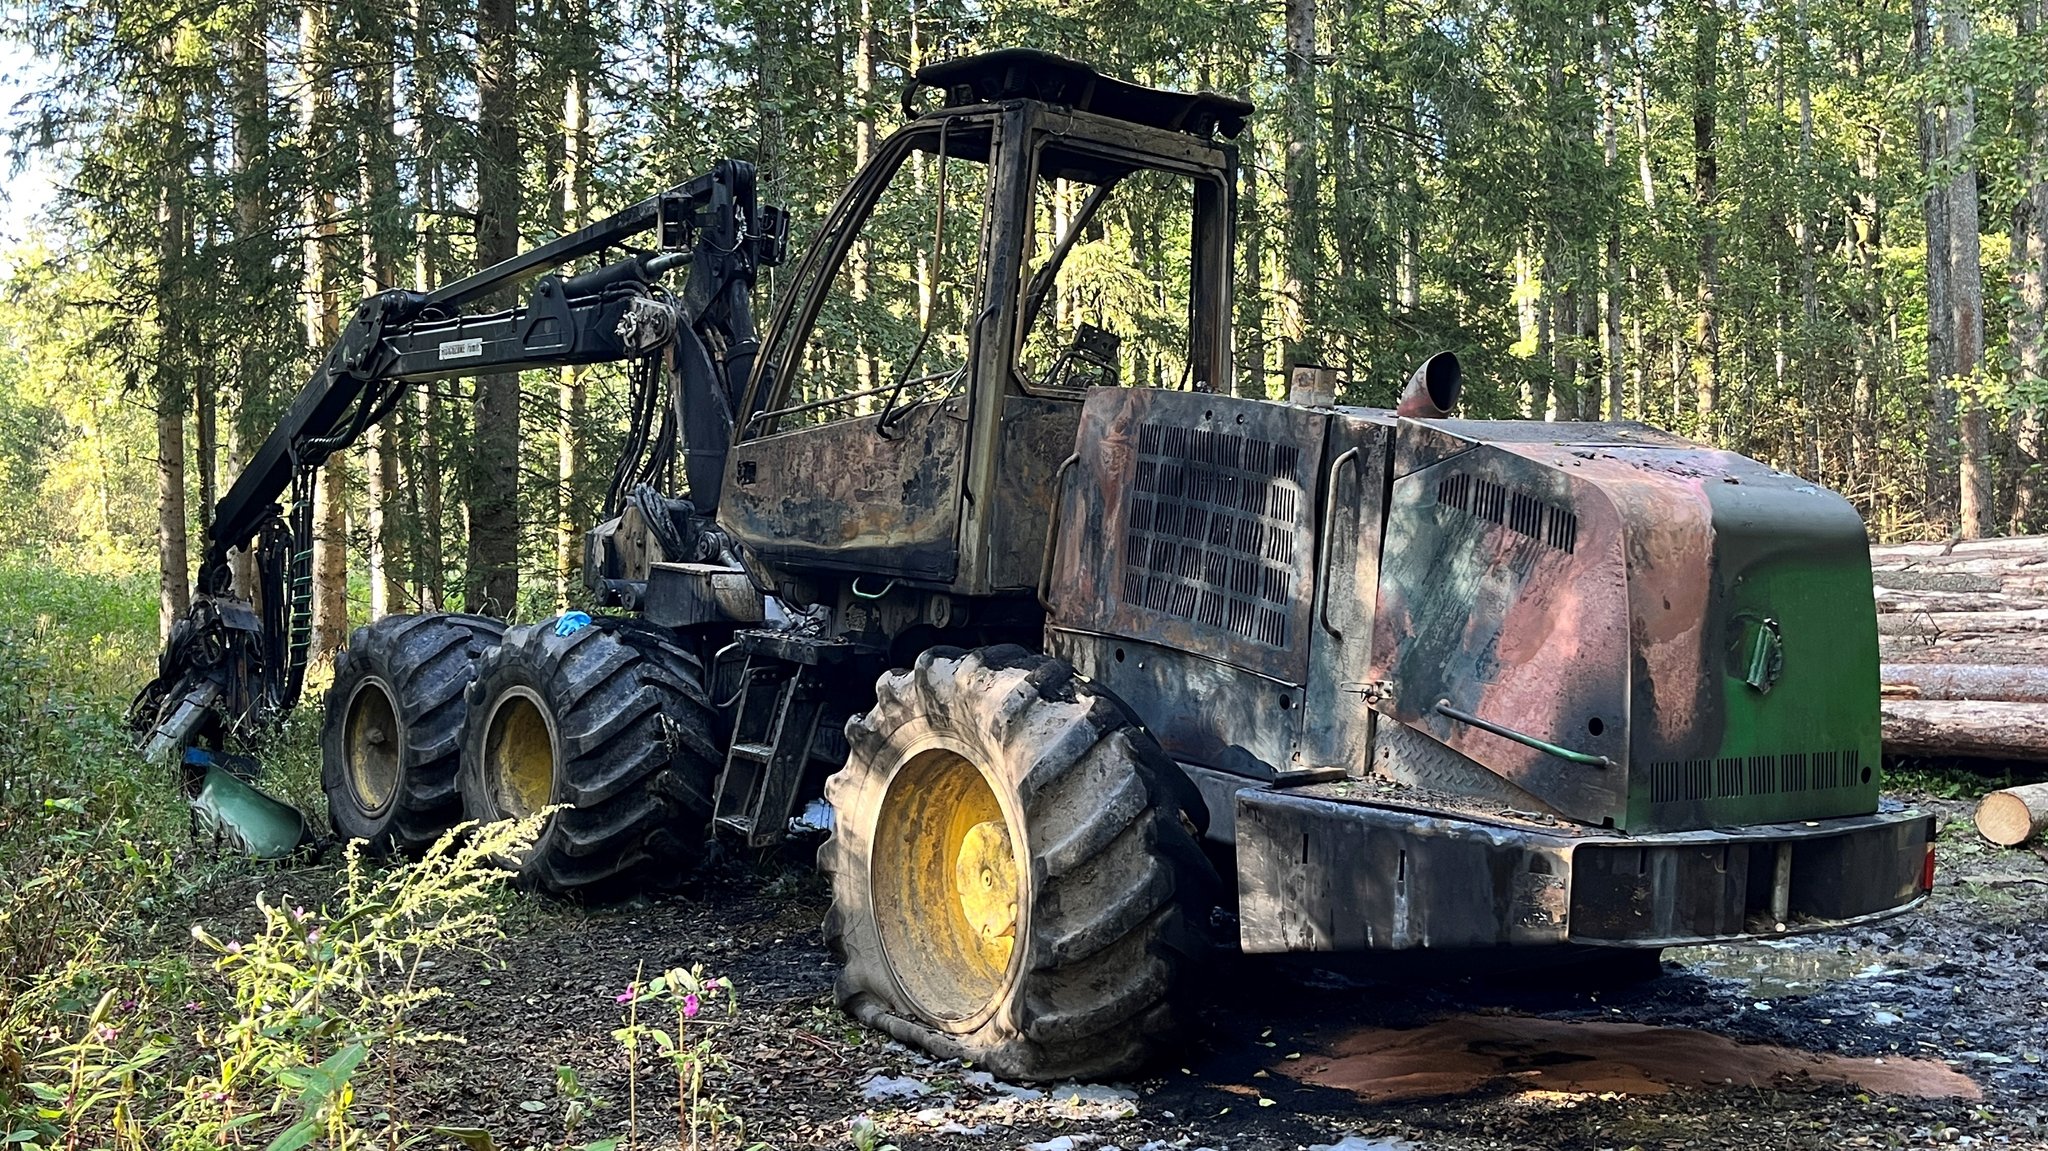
<point x="1317" y="873"/>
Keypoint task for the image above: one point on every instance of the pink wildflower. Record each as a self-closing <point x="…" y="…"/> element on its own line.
<point x="628" y="994"/>
<point x="690" y="1006"/>
<point x="105" y="1033"/>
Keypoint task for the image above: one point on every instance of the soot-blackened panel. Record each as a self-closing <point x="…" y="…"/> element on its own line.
<point x="1190" y="522"/>
<point x="1214" y="529"/>
<point x="1518" y="511"/>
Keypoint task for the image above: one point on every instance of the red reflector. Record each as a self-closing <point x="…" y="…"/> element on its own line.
<point x="1927" y="871"/>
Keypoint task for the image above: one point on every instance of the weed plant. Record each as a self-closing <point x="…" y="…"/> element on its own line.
<point x="123" y="1028"/>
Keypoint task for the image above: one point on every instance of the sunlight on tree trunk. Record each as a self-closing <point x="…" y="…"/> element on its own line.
<point x="173" y="566"/>
<point x="1966" y="285"/>
<point x="1941" y="358"/>
<point x="382" y="240"/>
<point x="2029" y="287"/>
<point x="572" y="515"/>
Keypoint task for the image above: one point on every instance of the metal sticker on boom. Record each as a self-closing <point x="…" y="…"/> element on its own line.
<point x="461" y="349"/>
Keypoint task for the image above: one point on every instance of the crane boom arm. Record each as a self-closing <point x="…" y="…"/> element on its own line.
<point x="238" y="656"/>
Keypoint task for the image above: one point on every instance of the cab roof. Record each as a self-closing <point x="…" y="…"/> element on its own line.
<point x="1027" y="73"/>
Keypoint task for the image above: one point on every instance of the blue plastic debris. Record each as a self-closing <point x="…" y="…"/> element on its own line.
<point x="572" y="622"/>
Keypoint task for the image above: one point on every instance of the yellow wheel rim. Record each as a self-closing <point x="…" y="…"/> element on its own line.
<point x="519" y="754"/>
<point x="371" y="745"/>
<point x="945" y="886"/>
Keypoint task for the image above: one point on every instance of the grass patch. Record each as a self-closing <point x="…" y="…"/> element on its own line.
<point x="1970" y="779"/>
<point x="124" y="1027"/>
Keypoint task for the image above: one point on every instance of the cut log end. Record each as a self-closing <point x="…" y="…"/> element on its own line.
<point x="2013" y="816"/>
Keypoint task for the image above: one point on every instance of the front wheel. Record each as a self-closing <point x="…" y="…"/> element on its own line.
<point x="1015" y="880"/>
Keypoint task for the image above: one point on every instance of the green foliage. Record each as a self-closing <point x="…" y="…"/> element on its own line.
<point x="315" y="1011"/>
<point x="866" y="1135"/>
<point x="1485" y="178"/>
<point x="684" y="1016"/>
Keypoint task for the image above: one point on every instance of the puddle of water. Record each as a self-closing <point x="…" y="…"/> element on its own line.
<point x="1780" y="968"/>
<point x="1469" y="1053"/>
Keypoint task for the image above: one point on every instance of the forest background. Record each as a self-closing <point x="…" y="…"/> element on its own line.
<point x="1813" y="231"/>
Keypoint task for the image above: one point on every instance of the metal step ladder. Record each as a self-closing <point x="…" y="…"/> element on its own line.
<point x="772" y="735"/>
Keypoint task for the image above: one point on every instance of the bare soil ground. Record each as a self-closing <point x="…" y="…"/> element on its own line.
<point x="1929" y="1029"/>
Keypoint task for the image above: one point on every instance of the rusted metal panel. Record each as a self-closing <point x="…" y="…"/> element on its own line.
<point x="1037" y="434"/>
<point x="1504" y="595"/>
<point x="844" y="496"/>
<point x="685" y="595"/>
<point x="1201" y="710"/>
<point x="1317" y="873"/>
<point x="1189" y="523"/>
<point x="1697" y="620"/>
<point x="1352" y="518"/>
<point x="1692" y="887"/>
<point x="1404" y="756"/>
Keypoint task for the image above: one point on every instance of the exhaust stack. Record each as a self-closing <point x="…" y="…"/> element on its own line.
<point x="1433" y="390"/>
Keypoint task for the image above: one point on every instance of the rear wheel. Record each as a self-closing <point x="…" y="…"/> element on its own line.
<point x="610" y="721"/>
<point x="1015" y="879"/>
<point x="392" y="732"/>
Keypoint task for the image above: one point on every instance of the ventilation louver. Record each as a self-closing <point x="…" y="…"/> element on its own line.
<point x="1694" y="780"/>
<point x="1520" y="512"/>
<point x="1212" y="530"/>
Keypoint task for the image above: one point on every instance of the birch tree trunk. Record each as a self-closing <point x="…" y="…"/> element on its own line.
<point x="1966" y="284"/>
<point x="2029" y="285"/>
<point x="174" y="587"/>
<point x="1941" y="358"/>
<point x="1866" y="227"/>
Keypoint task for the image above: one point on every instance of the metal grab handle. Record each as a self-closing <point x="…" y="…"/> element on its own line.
<point x="1444" y="708"/>
<point x="1323" y="541"/>
<point x="1052" y="529"/>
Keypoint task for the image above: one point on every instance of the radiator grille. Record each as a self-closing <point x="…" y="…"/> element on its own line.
<point x="1214" y="524"/>
<point x="1692" y="780"/>
<point x="1520" y="512"/>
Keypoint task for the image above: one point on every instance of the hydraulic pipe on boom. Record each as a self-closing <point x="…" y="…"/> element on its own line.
<point x="237" y="659"/>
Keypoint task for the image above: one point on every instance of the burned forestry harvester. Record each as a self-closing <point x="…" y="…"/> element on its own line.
<point x="1061" y="632"/>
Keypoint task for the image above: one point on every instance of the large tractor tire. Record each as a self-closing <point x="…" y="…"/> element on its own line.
<point x="611" y="722"/>
<point x="393" y="728"/>
<point x="1015" y="878"/>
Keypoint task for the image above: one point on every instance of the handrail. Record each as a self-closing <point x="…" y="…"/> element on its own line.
<point x="1444" y="708"/>
<point x="1323" y="542"/>
<point x="1052" y="529"/>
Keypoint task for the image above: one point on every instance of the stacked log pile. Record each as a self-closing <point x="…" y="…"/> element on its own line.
<point x="1963" y="636"/>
